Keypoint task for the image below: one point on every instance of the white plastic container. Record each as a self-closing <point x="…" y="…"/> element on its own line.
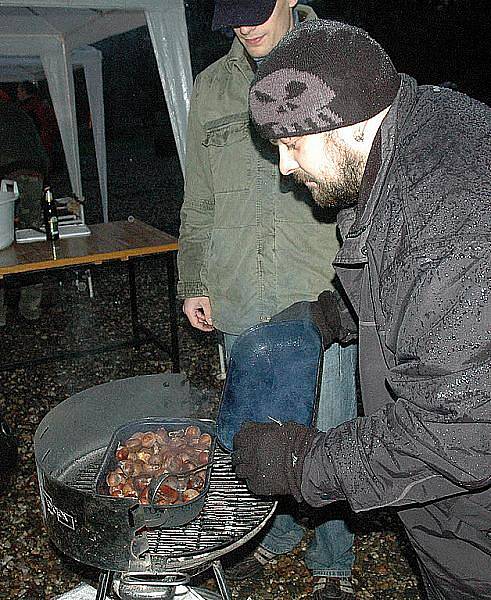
<point x="7" y="211"/>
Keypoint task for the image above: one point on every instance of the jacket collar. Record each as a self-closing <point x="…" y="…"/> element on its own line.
<point x="355" y="223"/>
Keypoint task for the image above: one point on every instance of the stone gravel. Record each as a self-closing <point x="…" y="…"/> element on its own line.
<point x="146" y="186"/>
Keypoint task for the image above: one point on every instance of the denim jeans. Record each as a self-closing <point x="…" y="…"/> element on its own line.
<point x="331" y="551"/>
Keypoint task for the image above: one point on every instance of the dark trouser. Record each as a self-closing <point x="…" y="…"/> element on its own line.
<point x="452" y="540"/>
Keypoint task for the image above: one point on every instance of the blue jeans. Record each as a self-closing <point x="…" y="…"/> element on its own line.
<point x="331" y="551"/>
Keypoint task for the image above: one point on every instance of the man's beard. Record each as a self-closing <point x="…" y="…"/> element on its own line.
<point x="343" y="192"/>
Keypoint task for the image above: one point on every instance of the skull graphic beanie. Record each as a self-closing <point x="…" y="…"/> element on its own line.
<point x="323" y="75"/>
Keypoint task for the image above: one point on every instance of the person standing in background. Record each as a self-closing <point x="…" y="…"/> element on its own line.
<point x="250" y="245"/>
<point x="24" y="160"/>
<point x="42" y="113"/>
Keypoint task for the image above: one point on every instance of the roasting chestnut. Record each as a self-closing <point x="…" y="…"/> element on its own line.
<point x="166" y="495"/>
<point x="190" y="494"/>
<point x="177" y="442"/>
<point x="152" y="470"/>
<point x="122" y="453"/>
<point x="155" y="459"/>
<point x="193" y="431"/>
<point x="196" y="481"/>
<point x="140" y="483"/>
<point x="129" y="491"/>
<point x="144" y="455"/>
<point x="143" y="496"/>
<point x="187" y="465"/>
<point x="204" y="440"/>
<point x="116" y="492"/>
<point x="174" y="464"/>
<point x="203" y="457"/>
<point x="133" y="444"/>
<point x="127" y="467"/>
<point x="148" y="439"/>
<point x="115" y="478"/>
<point x="172" y="482"/>
<point x="138" y="467"/>
<point x="161" y="437"/>
<point x="149" y="454"/>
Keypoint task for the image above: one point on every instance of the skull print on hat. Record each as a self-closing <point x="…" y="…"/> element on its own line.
<point x="322" y="75"/>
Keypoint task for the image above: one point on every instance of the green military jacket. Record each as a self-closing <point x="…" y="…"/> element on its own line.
<point x="251" y="240"/>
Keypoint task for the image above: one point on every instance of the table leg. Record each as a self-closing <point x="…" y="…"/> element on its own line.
<point x="171" y="294"/>
<point x="133" y="302"/>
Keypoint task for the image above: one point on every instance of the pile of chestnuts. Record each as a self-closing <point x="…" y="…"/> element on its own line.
<point x="182" y="456"/>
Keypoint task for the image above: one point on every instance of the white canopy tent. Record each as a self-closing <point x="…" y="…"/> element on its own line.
<point x="30" y="68"/>
<point x="52" y="32"/>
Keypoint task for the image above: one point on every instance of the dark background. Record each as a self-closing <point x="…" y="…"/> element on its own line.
<point x="435" y="41"/>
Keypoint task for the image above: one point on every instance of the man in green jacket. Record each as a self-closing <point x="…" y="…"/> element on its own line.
<point x="252" y="243"/>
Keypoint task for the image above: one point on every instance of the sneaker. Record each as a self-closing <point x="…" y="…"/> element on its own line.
<point x="250" y="565"/>
<point x="333" y="588"/>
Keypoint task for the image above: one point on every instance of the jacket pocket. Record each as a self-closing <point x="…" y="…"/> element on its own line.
<point x="230" y="273"/>
<point x="230" y="154"/>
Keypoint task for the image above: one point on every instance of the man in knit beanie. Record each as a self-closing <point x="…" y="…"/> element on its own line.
<point x="409" y="167"/>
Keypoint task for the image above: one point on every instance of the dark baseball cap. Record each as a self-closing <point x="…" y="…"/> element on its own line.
<point x="239" y="13"/>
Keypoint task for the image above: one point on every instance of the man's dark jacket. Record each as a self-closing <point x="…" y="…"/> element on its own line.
<point x="20" y="145"/>
<point x="416" y="265"/>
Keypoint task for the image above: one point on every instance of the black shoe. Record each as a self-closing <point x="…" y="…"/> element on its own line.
<point x="333" y="588"/>
<point x="249" y="566"/>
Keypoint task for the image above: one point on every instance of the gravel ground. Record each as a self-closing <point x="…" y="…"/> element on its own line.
<point x="150" y="188"/>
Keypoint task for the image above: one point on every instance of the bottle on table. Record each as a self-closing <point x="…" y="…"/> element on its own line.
<point x="50" y="216"/>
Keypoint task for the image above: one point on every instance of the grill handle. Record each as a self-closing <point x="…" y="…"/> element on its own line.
<point x="176" y="577"/>
<point x="144" y="586"/>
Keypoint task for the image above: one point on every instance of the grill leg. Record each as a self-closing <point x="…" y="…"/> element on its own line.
<point x="220" y="577"/>
<point x="105" y="582"/>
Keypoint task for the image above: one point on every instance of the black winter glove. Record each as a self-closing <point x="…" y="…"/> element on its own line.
<point x="270" y="457"/>
<point x="323" y="312"/>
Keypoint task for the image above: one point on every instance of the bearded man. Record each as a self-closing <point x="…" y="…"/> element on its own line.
<point x="410" y="166"/>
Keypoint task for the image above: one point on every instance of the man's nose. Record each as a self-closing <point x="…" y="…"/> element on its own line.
<point x="245" y="30"/>
<point x="287" y="163"/>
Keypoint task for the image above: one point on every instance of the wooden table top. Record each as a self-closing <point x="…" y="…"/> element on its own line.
<point x="117" y="240"/>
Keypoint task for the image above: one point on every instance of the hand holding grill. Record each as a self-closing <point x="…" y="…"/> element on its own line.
<point x="323" y="312"/>
<point x="270" y="457"/>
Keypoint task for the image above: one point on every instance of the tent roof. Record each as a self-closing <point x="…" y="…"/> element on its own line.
<point x="53" y="29"/>
<point x="30" y="68"/>
<point x="75" y="26"/>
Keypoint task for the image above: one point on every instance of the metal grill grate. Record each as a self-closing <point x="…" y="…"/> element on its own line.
<point x="230" y="512"/>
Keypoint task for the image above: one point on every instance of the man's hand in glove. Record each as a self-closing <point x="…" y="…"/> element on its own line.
<point x="270" y="457"/>
<point x="323" y="312"/>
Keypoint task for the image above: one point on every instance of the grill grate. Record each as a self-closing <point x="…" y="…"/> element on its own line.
<point x="230" y="512"/>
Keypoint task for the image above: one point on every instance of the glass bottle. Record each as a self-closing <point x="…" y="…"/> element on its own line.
<point x="50" y="216"/>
